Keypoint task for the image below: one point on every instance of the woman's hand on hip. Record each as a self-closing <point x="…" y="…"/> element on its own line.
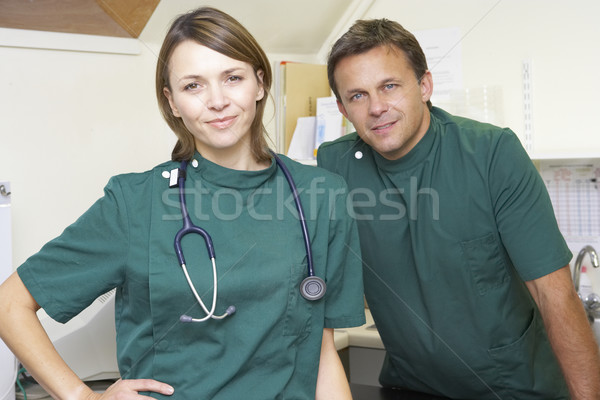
<point x="129" y="388"/>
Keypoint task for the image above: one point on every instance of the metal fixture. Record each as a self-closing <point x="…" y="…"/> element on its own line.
<point x="591" y="303"/>
<point x="577" y="269"/>
<point x="3" y="191"/>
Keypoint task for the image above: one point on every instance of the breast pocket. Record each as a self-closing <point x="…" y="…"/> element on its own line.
<point x="486" y="263"/>
<point x="298" y="311"/>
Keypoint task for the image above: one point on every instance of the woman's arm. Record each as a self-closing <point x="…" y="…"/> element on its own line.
<point x="24" y="335"/>
<point x="332" y="383"/>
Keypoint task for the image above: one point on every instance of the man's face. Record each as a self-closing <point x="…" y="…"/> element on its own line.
<point x="383" y="98"/>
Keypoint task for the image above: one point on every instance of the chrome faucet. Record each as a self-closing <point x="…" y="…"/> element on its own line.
<point x="578" y="262"/>
<point x="592" y="301"/>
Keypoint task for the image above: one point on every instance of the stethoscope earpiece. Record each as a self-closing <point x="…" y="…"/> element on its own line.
<point x="186" y="318"/>
<point x="312" y="288"/>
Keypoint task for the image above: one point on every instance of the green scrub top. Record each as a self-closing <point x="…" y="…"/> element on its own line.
<point x="270" y="348"/>
<point x="449" y="233"/>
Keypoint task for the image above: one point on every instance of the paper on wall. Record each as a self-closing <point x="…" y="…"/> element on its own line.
<point x="575" y="195"/>
<point x="303" y="139"/>
<point x="329" y="121"/>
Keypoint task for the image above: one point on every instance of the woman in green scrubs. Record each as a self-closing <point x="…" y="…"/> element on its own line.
<point x="212" y="85"/>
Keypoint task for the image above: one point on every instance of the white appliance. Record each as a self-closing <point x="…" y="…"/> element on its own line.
<point x="8" y="362"/>
<point x="88" y="342"/>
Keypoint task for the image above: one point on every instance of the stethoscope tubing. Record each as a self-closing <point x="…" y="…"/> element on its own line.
<point x="301" y="217"/>
<point x="188" y="226"/>
<point x="209" y="313"/>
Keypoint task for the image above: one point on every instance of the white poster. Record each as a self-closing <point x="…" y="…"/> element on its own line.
<point x="444" y="58"/>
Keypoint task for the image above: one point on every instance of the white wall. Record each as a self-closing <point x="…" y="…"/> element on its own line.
<point x="68" y="121"/>
<point x="560" y="37"/>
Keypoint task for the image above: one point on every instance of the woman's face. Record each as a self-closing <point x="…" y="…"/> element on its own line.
<point x="216" y="97"/>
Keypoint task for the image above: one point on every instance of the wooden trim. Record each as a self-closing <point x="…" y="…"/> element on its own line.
<point x="131" y="15"/>
<point x="117" y="18"/>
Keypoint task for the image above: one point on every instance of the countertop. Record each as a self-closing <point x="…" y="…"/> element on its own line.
<point x="367" y="336"/>
<point x="361" y="336"/>
<point x="364" y="392"/>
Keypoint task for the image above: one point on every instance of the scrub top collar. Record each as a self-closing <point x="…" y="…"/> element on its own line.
<point x="217" y="175"/>
<point x="416" y="155"/>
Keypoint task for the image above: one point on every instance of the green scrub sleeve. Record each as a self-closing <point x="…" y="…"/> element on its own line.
<point x="84" y="262"/>
<point x="345" y="305"/>
<point x="324" y="160"/>
<point x="523" y="210"/>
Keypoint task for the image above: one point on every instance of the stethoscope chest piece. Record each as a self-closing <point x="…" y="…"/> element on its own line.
<point x="312" y="288"/>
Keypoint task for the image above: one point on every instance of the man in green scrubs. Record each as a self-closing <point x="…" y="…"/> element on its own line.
<point x="466" y="273"/>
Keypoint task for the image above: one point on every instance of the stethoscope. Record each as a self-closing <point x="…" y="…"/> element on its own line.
<point x="311" y="288"/>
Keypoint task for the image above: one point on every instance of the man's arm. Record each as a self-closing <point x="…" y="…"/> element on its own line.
<point x="569" y="332"/>
<point x="332" y="383"/>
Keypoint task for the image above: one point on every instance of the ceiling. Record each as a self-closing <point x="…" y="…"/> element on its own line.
<point x="280" y="26"/>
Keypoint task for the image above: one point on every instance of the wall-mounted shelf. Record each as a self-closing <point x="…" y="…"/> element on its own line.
<point x="24" y="38"/>
<point x="563" y="156"/>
